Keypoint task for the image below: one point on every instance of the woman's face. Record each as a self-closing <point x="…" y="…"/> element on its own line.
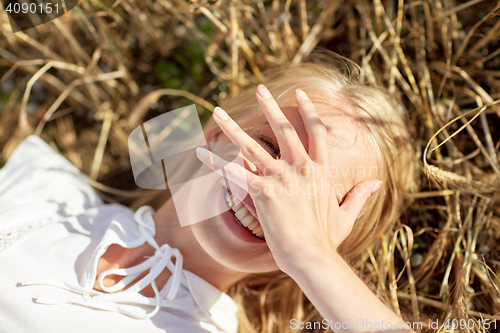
<point x="352" y="159"/>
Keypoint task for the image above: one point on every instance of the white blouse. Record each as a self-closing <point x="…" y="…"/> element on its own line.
<point x="53" y="230"/>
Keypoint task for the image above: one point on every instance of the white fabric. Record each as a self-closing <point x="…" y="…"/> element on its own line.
<point x="57" y="228"/>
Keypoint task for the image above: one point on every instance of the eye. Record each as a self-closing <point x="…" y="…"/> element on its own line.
<point x="271" y="146"/>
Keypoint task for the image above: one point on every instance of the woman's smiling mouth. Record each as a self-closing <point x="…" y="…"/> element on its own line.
<point x="243" y="216"/>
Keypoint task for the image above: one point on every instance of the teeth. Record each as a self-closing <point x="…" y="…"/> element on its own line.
<point x="254" y="224"/>
<point x="244" y="216"/>
<point x="259" y="234"/>
<point x="241" y="213"/>
<point x="247" y="219"/>
<point x="257" y="229"/>
<point x="230" y="200"/>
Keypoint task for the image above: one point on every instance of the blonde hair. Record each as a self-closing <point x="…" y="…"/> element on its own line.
<point x="269" y="301"/>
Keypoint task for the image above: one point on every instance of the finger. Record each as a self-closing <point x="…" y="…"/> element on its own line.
<point x="250" y="149"/>
<point x="358" y="195"/>
<point x="315" y="129"/>
<point x="291" y="147"/>
<point x="231" y="171"/>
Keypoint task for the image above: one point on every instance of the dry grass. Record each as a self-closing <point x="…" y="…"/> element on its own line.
<point x="83" y="82"/>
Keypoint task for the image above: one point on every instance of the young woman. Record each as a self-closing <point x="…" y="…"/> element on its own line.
<point x="327" y="160"/>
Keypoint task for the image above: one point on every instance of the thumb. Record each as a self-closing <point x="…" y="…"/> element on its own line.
<point x="358" y="195"/>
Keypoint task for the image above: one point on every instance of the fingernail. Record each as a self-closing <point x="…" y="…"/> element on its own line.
<point x="301" y="95"/>
<point x="376" y="186"/>
<point x="263" y="92"/>
<point x="221" y="114"/>
<point x="202" y="152"/>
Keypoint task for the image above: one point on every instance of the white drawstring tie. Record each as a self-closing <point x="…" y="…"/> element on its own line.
<point x="116" y="300"/>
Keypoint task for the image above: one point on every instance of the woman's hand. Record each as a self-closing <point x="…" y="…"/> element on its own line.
<point x="295" y="198"/>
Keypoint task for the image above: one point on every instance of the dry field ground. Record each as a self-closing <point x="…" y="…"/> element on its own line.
<point x="84" y="81"/>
